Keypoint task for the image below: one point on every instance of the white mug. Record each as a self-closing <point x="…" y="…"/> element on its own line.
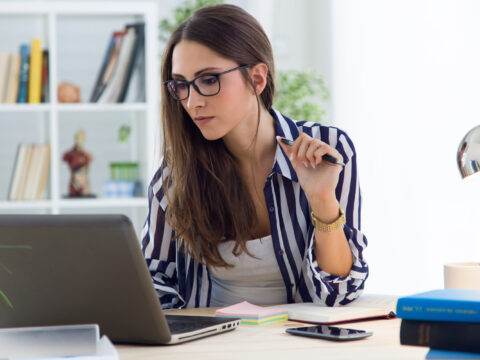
<point x="464" y="275"/>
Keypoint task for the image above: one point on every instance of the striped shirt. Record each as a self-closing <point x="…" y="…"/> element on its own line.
<point x="181" y="281"/>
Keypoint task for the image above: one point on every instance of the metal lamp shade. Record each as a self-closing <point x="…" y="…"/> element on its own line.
<point x="468" y="154"/>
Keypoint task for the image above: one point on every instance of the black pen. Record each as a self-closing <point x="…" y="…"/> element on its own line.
<point x="326" y="157"/>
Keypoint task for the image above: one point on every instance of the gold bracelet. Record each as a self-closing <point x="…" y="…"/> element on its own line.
<point x="319" y="225"/>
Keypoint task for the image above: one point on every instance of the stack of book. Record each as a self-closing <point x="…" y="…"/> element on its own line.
<point x="30" y="173"/>
<point x="125" y="52"/>
<point x="447" y="319"/>
<point x="24" y="75"/>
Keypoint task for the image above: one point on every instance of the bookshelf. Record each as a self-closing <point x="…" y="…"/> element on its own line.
<point x="76" y="35"/>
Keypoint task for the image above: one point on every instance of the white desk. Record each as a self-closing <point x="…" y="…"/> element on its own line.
<point x="271" y="342"/>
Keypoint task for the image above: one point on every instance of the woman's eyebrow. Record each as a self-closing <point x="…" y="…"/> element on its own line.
<point x="197" y="73"/>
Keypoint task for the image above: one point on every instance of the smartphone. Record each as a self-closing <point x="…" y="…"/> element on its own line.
<point x="329" y="332"/>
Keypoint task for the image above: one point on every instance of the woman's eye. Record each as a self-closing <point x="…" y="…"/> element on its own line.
<point x="180" y="85"/>
<point x="208" y="80"/>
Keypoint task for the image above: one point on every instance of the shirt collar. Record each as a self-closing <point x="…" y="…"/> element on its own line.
<point x="288" y="129"/>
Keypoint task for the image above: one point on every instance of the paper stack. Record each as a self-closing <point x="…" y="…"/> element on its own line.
<point x="253" y="314"/>
<point x="82" y="342"/>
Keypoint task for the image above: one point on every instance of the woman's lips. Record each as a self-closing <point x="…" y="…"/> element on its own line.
<point x="201" y="120"/>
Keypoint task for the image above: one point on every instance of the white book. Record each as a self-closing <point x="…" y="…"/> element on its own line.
<point x="44" y="171"/>
<point x="34" y="172"/>
<point x="4" y="67"/>
<point x="368" y="306"/>
<point x="13" y="81"/>
<point x="17" y="173"/>
<point x="112" y="91"/>
<point x="24" y="169"/>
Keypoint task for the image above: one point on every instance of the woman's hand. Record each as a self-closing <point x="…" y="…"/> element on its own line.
<point x="318" y="178"/>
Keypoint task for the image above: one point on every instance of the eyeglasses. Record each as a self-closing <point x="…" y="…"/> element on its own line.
<point x="205" y="85"/>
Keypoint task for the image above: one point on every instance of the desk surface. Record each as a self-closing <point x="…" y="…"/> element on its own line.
<point x="271" y="342"/>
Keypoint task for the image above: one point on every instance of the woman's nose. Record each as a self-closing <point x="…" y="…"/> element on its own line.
<point x="195" y="100"/>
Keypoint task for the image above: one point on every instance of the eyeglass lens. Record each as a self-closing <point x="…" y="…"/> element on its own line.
<point x="206" y="85"/>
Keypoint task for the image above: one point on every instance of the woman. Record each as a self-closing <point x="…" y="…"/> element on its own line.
<point x="232" y="208"/>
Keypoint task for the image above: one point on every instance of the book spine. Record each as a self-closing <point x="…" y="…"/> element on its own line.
<point x="17" y="173"/>
<point x="24" y="70"/>
<point x="106" y="58"/>
<point x="443" y="335"/>
<point x="135" y="55"/>
<point x="13" y="79"/>
<point x="438" y="309"/>
<point x="4" y="67"/>
<point x="45" y="84"/>
<point x="35" y="77"/>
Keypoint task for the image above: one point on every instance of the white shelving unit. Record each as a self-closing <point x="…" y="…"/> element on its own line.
<point x="69" y="31"/>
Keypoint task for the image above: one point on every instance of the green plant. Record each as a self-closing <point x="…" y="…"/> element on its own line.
<point x="3" y="266"/>
<point x="180" y="14"/>
<point x="299" y="94"/>
<point x="124" y="133"/>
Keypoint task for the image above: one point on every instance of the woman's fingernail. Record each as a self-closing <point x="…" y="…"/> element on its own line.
<point x="305" y="163"/>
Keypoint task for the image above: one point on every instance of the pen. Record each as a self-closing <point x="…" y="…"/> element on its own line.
<point x="326" y="157"/>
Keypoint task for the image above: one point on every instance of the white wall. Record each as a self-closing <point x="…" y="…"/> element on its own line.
<point x="405" y="82"/>
<point x="406" y="87"/>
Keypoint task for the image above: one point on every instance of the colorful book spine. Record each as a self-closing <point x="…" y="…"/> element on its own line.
<point x="444" y="335"/>
<point x="441" y="305"/>
<point x="35" y="74"/>
<point x="24" y="71"/>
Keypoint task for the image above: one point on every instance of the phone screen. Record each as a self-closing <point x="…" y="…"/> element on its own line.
<point x="329" y="332"/>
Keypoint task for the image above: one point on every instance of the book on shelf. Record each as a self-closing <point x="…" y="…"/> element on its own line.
<point x="107" y="63"/>
<point x="13" y="79"/>
<point x="112" y="90"/>
<point x="443" y="335"/>
<point x="441" y="305"/>
<point x="35" y="72"/>
<point x="30" y="174"/>
<point x="367" y="306"/>
<point x="136" y="60"/>
<point x="123" y="55"/>
<point x="24" y="71"/>
<point x="45" y="76"/>
<point x="24" y="75"/>
<point x="4" y="65"/>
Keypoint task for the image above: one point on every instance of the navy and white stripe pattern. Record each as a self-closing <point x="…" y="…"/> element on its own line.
<point x="182" y="282"/>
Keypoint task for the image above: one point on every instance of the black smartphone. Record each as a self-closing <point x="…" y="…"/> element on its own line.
<point x="329" y="332"/>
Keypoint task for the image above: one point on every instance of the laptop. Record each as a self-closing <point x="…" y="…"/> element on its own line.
<point x="84" y="269"/>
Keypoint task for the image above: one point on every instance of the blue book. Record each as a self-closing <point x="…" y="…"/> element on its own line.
<point x="446" y="354"/>
<point x="24" y="70"/>
<point x="441" y="305"/>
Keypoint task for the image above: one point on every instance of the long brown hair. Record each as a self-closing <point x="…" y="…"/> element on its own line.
<point x="207" y="199"/>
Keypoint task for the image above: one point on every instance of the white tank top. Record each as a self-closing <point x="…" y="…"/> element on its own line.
<point x="257" y="281"/>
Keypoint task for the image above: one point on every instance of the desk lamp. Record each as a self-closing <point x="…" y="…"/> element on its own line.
<point x="468" y="154"/>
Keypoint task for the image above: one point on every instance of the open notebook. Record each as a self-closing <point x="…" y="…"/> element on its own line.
<point x="368" y="306"/>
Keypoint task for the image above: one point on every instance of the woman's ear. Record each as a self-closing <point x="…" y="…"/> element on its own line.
<point x="258" y="74"/>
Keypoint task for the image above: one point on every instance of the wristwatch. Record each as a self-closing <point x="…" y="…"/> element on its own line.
<point x="319" y="225"/>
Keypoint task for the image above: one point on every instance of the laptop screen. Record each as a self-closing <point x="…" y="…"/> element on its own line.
<point x="78" y="269"/>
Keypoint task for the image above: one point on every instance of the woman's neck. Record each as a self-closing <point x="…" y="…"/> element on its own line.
<point x="240" y="140"/>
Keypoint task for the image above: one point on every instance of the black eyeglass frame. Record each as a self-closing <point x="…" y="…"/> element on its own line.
<point x="192" y="82"/>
